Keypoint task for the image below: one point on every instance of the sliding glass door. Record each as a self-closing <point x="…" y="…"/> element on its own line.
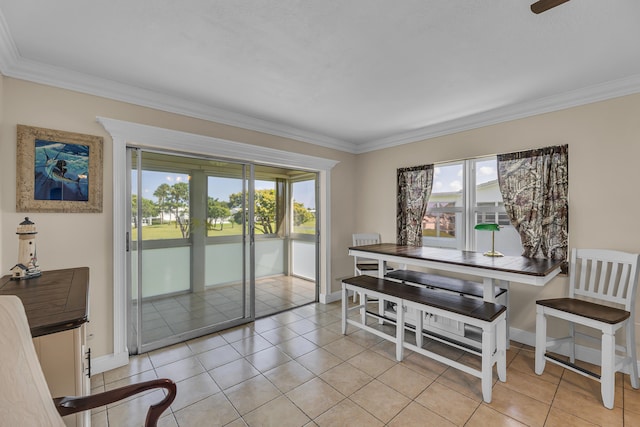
<point x="180" y="285"/>
<point x="214" y="244"/>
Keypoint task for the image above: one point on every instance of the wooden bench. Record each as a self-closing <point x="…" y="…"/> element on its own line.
<point x="489" y="317"/>
<point x="451" y="284"/>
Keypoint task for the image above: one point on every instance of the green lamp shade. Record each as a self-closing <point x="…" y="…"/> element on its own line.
<point x="487" y="227"/>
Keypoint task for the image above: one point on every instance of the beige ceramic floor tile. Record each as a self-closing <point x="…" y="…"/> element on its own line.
<point x="302" y="326"/>
<point x="462" y="382"/>
<point x="631" y="399"/>
<point x="136" y="365"/>
<point x="424" y="365"/>
<point x="266" y="324"/>
<point x="233" y="373"/>
<point x="484" y="416"/>
<point x="530" y="385"/>
<point x="314" y="397"/>
<point x="250" y="394"/>
<point x="142" y="376"/>
<point x="363" y="338"/>
<point x="408" y="382"/>
<point x="297" y="346"/>
<point x="319" y="361"/>
<point x="380" y="400"/>
<point x="417" y="415"/>
<point x="181" y="370"/>
<point x="590" y="388"/>
<point x="371" y="362"/>
<point x="586" y="407"/>
<point x="267" y="359"/>
<point x="525" y="363"/>
<point x="214" y="410"/>
<point x="322" y="336"/>
<point x="218" y="356"/>
<point x="344" y="348"/>
<point x="448" y="403"/>
<point x="518" y="406"/>
<point x="134" y="412"/>
<point x="279" y="412"/>
<point x="193" y="390"/>
<point x="208" y="342"/>
<point x="250" y="345"/>
<point x="238" y="333"/>
<point x="346" y="378"/>
<point x="170" y="354"/>
<point x="347" y="414"/>
<point x="289" y="376"/>
<point x="559" y="418"/>
<point x="278" y="335"/>
<point x="167" y="421"/>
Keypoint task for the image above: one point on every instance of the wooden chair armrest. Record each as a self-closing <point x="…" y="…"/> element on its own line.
<point x="72" y="404"/>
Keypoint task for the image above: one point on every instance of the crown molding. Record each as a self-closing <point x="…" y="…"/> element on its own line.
<point x="587" y="95"/>
<point x="15" y="66"/>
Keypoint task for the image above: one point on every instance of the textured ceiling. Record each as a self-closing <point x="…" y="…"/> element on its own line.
<point x="355" y="75"/>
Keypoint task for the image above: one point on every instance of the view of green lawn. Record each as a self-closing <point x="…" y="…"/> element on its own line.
<point x="172" y="230"/>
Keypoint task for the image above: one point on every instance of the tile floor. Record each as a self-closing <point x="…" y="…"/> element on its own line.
<point x="167" y="316"/>
<point x="296" y="369"/>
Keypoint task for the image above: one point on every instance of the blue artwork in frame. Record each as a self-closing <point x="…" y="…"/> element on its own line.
<point x="58" y="171"/>
<point x="61" y="171"/>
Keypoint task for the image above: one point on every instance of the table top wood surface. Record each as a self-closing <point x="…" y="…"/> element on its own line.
<point x="56" y="301"/>
<point x="509" y="264"/>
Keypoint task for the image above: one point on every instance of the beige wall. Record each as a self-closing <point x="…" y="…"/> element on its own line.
<point x="604" y="151"/>
<point x="604" y="148"/>
<point x="71" y="240"/>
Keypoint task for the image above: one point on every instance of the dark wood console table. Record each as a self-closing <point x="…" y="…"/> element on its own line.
<point x="56" y="301"/>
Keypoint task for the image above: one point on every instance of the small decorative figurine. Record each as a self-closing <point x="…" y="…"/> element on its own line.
<point x="27" y="266"/>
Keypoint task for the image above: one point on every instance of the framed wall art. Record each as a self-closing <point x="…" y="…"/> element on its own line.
<point x="58" y="171"/>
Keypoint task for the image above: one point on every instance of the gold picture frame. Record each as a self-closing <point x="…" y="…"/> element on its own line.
<point x="58" y="171"/>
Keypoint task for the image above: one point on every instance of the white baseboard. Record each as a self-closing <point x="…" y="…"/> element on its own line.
<point x="332" y="297"/>
<point x="108" y="362"/>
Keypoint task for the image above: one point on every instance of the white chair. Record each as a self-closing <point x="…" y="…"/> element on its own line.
<point x="365" y="265"/>
<point x="24" y="396"/>
<point x="602" y="294"/>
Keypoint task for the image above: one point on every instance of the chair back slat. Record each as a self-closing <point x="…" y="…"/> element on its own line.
<point x="361" y="239"/>
<point x="604" y="275"/>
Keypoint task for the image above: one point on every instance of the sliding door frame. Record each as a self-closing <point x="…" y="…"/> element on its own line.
<point x="124" y="133"/>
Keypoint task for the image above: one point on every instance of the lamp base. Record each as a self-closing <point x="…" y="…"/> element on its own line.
<point x="493" y="253"/>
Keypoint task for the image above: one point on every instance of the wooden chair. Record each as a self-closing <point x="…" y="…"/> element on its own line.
<point x="602" y="294"/>
<point x="24" y="396"/>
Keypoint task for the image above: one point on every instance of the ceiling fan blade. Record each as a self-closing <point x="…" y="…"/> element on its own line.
<point x="543" y="5"/>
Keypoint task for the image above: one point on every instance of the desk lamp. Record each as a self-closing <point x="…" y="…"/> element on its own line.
<point x="493" y="228"/>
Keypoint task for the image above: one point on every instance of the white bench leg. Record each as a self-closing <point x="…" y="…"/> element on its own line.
<point x="487" y="349"/>
<point x="607" y="378"/>
<point x="345" y="304"/>
<point x="541" y="340"/>
<point x="419" y="327"/>
<point x="399" y="331"/>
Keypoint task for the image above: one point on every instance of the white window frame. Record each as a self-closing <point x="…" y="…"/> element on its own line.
<point x="466" y="214"/>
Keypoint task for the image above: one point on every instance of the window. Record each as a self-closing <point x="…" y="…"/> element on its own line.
<point x="466" y="193"/>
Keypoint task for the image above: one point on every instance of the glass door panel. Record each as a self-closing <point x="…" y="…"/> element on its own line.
<point x="175" y="272"/>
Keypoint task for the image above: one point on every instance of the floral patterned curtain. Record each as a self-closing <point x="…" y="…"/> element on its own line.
<point x="534" y="186"/>
<point x="414" y="189"/>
